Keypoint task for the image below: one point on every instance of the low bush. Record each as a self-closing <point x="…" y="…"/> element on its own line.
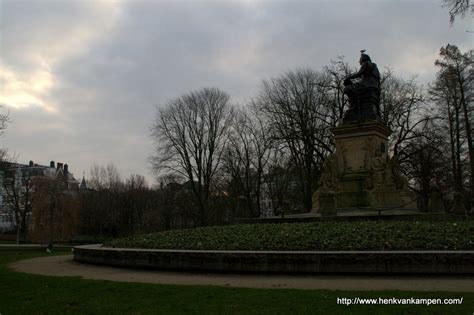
<point x="374" y="235"/>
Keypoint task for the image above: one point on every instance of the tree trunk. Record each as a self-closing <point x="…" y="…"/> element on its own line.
<point x="467" y="127"/>
<point x="458" y="175"/>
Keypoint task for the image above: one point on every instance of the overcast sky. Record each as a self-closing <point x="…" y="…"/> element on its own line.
<point x="82" y="79"/>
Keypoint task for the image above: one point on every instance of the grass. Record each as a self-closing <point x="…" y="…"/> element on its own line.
<point x="22" y="293"/>
<point x="7" y="242"/>
<point x="370" y="235"/>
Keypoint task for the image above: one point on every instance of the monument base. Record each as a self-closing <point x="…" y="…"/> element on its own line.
<point x="361" y="175"/>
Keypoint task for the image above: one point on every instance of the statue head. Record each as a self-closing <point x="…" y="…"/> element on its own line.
<point x="364" y="58"/>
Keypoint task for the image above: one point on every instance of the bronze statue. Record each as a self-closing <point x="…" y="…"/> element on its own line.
<point x="364" y="95"/>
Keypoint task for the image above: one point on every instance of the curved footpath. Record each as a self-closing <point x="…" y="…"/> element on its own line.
<point x="61" y="266"/>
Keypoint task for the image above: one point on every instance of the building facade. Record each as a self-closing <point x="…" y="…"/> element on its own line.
<point x="45" y="198"/>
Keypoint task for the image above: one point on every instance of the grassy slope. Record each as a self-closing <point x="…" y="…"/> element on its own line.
<point x="374" y="235"/>
<point x="30" y="294"/>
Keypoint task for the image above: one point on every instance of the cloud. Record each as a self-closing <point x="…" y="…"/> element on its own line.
<point x="36" y="37"/>
<point x="22" y="90"/>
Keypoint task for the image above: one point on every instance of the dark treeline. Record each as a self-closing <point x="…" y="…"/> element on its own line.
<point x="216" y="161"/>
<point x="111" y="207"/>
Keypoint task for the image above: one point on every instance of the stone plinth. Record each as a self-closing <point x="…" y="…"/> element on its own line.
<point x="361" y="174"/>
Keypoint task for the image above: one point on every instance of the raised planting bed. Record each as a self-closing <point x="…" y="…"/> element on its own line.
<point x="324" y="247"/>
<point x="385" y="262"/>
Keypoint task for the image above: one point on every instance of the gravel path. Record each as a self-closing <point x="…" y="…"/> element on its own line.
<point x="61" y="266"/>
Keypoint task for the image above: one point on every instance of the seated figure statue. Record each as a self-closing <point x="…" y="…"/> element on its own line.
<point x="364" y="95"/>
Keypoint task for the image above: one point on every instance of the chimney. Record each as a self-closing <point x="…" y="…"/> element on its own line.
<point x="65" y="168"/>
<point x="59" y="166"/>
<point x="51" y="164"/>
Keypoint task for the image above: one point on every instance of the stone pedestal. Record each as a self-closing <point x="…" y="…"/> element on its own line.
<point x="361" y="175"/>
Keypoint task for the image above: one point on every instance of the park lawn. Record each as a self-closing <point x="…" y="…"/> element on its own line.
<point x="7" y="242"/>
<point x="22" y="293"/>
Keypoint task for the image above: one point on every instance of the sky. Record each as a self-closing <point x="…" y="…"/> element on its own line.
<point x="82" y="79"/>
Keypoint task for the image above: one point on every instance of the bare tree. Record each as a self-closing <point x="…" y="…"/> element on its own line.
<point x="17" y="187"/>
<point x="246" y="157"/>
<point x="297" y="105"/>
<point x="337" y="72"/>
<point x="112" y="207"/>
<point x="443" y="95"/>
<point x="105" y="177"/>
<point x="135" y="201"/>
<point x="452" y="92"/>
<point x="4" y="120"/>
<point x="277" y="181"/>
<point x="136" y="181"/>
<point x="102" y="204"/>
<point x="190" y="133"/>
<point x="458" y="8"/>
<point x="403" y="109"/>
<point x="425" y="162"/>
<point x="56" y="209"/>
